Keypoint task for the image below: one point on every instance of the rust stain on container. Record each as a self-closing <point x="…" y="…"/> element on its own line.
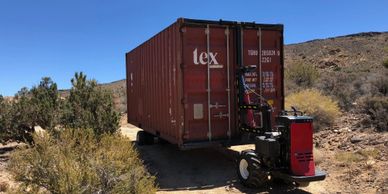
<point x="182" y="85"/>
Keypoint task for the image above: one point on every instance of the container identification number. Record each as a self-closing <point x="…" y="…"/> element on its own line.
<point x="266" y="55"/>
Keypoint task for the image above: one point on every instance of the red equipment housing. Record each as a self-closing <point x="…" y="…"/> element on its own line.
<point x="301" y="149"/>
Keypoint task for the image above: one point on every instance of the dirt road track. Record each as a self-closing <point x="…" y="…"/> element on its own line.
<point x="201" y="170"/>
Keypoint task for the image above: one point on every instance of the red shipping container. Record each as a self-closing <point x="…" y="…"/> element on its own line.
<point x="182" y="83"/>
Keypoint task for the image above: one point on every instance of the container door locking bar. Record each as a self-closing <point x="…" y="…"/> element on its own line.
<point x="209" y="134"/>
<point x="246" y="107"/>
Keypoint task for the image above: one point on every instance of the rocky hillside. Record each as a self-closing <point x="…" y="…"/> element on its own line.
<point x="363" y="51"/>
<point x="353" y="70"/>
<point x="118" y="90"/>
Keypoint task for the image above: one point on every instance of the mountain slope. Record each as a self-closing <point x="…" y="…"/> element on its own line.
<point x="360" y="51"/>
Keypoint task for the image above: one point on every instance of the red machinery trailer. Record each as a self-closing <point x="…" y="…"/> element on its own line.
<point x="181" y="83"/>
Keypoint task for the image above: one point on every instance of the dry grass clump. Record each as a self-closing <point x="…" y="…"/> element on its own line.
<point x="348" y="157"/>
<point x="358" y="156"/>
<point x="324" y="109"/>
<point x="78" y="161"/>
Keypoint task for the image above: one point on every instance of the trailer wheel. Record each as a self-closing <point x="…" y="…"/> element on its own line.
<point x="302" y="184"/>
<point x="144" y="138"/>
<point x="250" y="171"/>
<point x="141" y="138"/>
<point x="150" y="139"/>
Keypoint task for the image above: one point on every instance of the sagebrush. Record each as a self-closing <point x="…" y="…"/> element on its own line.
<point x="78" y="162"/>
<point x="323" y="108"/>
<point x="301" y="74"/>
<point x="376" y="108"/>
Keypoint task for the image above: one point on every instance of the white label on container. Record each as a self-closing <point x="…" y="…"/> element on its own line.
<point x="203" y="58"/>
<point x="198" y="111"/>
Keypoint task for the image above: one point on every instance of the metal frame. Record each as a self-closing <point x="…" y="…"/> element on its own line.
<point x="259" y="34"/>
<point x="228" y="80"/>
<point x="207" y="31"/>
<point x="187" y="21"/>
<point x="260" y="71"/>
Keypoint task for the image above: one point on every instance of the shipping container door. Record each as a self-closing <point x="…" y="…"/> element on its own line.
<point x="266" y="81"/>
<point x="206" y="71"/>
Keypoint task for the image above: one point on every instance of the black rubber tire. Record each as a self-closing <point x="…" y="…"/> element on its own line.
<point x="302" y="184"/>
<point x="258" y="176"/>
<point x="141" y="138"/>
<point x="144" y="138"/>
<point x="150" y="139"/>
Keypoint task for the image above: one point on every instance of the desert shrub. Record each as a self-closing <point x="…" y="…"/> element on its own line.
<point x="379" y="84"/>
<point x="361" y="155"/>
<point x="38" y="106"/>
<point x="385" y="63"/>
<point x="344" y="87"/>
<point x="348" y="157"/>
<point x="301" y="74"/>
<point x="376" y="107"/>
<point x="291" y="87"/>
<point x="5" y="119"/>
<point x="23" y="116"/>
<point x="324" y="109"/>
<point x="89" y="106"/>
<point x="349" y="85"/>
<point x="78" y="162"/>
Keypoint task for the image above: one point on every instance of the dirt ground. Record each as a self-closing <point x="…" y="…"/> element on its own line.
<point x="213" y="170"/>
<point x="203" y="171"/>
<point x="210" y="171"/>
<point x="5" y="177"/>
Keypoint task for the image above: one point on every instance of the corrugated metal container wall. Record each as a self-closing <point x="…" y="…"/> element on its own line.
<point x="181" y="84"/>
<point x="154" y="85"/>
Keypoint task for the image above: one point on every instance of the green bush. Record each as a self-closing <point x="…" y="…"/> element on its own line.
<point x="45" y="99"/>
<point x="301" y="74"/>
<point x="23" y="116"/>
<point x="38" y="106"/>
<point x="313" y="103"/>
<point x="88" y="106"/>
<point x="78" y="162"/>
<point x="5" y="120"/>
<point x="377" y="108"/>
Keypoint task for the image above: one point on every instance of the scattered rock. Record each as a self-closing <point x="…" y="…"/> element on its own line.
<point x="370" y="162"/>
<point x="334" y="51"/>
<point x="355" y="139"/>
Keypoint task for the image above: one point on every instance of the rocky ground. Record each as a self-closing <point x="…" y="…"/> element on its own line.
<point x="6" y="180"/>
<point x="355" y="160"/>
<point x="354" y="157"/>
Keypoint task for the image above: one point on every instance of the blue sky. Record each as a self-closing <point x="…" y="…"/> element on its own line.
<point x="57" y="38"/>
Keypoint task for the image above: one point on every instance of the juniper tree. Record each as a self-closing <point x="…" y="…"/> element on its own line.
<point x="88" y="106"/>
